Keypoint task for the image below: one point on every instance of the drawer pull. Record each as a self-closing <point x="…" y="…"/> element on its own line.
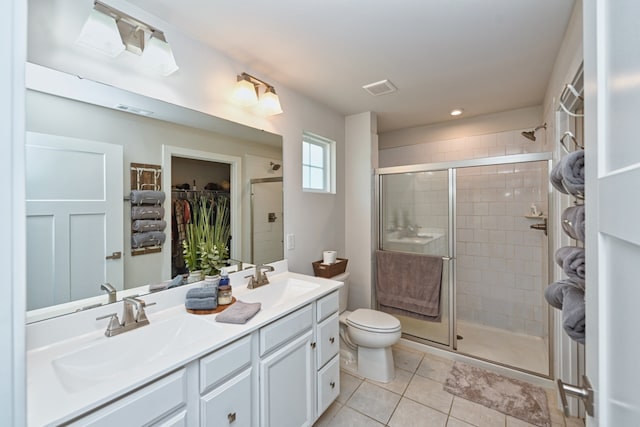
<point x="332" y="340"/>
<point x="332" y="384"/>
<point x="313" y="345"/>
<point x="231" y="417"/>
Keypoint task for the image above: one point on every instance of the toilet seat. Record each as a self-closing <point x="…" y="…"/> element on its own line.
<point x="373" y="321"/>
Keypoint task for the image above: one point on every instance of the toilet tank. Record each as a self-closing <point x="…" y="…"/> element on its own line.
<point x="343" y="292"/>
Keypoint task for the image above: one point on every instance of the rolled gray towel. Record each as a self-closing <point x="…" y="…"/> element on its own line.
<point x="201" y="303"/>
<point x="572" y="261"/>
<point x="208" y="292"/>
<point x="566" y="296"/>
<point x="149" y="238"/>
<point x="148" y="225"/>
<point x="147" y="212"/>
<point x="573" y="222"/>
<point x="240" y="312"/>
<point x="567" y="176"/>
<point x="147" y="197"/>
<point x="168" y="284"/>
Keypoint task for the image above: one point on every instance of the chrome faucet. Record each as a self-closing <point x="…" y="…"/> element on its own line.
<point x="260" y="278"/>
<point x="110" y="290"/>
<point x="129" y="320"/>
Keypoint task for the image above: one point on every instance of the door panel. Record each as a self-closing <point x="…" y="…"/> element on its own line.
<point x="74" y="218"/>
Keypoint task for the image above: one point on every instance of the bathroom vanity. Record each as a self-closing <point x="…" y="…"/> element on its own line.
<point x="279" y="369"/>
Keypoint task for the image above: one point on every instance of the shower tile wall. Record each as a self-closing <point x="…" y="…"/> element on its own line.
<point x="501" y="262"/>
<point x="500" y="259"/>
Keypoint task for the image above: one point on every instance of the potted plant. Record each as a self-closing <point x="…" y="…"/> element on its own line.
<point x="206" y="245"/>
<point x="191" y="252"/>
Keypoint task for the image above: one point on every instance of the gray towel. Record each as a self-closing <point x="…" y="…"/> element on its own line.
<point x="177" y="281"/>
<point x="148" y="225"/>
<point x="565" y="296"/>
<point x="573" y="222"/>
<point x="572" y="259"/>
<point x="147" y="212"/>
<point x="409" y="284"/>
<point x="201" y="303"/>
<point x="150" y="238"/>
<point x="147" y="197"/>
<point x="240" y="312"/>
<point x="207" y="292"/>
<point x="567" y="176"/>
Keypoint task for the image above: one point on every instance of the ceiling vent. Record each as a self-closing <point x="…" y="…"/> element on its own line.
<point x="382" y="87"/>
<point x="133" y="110"/>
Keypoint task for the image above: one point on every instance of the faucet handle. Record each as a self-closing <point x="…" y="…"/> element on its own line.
<point x="141" y="317"/>
<point x="114" y="323"/>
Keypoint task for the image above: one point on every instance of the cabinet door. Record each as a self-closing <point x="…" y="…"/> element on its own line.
<point x="287" y="385"/>
<point x="230" y="404"/>
<point x="328" y="340"/>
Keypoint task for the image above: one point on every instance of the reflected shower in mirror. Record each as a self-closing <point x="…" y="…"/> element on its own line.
<point x="91" y="119"/>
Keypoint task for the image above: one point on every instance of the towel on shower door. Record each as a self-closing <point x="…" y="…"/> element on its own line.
<point x="409" y="284"/>
<point x="573" y="222"/>
<point x="567" y="176"/>
<point x="566" y="296"/>
<point x="572" y="261"/>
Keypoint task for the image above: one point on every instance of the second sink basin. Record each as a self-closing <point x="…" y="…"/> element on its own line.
<point x="110" y="357"/>
<point x="279" y="292"/>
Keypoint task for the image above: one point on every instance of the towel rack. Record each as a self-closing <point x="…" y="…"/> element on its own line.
<point x="573" y="138"/>
<point x="568" y="88"/>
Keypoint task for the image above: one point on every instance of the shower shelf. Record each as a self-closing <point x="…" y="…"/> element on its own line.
<point x="536" y="216"/>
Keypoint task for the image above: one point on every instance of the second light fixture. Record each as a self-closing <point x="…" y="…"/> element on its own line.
<point x="247" y="94"/>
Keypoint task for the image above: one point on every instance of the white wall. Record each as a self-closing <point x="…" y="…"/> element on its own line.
<point x="204" y="83"/>
<point x="12" y="217"/>
<point x="361" y="156"/>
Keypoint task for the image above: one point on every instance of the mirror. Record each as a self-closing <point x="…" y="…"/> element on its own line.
<point x="62" y="107"/>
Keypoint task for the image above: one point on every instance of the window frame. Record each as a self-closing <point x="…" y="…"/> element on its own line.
<point x="328" y="163"/>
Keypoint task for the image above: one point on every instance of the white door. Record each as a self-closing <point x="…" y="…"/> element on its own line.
<point x="74" y="218"/>
<point x="612" y="111"/>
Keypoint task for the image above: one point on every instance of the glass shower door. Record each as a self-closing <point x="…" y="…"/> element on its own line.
<point x="415" y="217"/>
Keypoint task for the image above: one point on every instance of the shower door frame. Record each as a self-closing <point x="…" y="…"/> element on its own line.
<point x="451" y="167"/>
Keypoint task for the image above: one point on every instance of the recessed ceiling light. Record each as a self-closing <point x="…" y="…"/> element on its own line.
<point x="456" y="111"/>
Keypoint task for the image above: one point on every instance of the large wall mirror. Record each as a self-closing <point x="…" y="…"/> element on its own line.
<point x="108" y="129"/>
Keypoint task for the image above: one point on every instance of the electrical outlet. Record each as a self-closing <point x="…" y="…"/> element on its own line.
<point x="291" y="242"/>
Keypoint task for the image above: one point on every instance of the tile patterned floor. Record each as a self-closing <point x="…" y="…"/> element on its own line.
<point x="415" y="398"/>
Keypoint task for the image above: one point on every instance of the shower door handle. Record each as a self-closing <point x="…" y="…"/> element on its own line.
<point x="585" y="393"/>
<point x="447" y="258"/>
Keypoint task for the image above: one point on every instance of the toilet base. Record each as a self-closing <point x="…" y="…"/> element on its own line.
<point x="376" y="364"/>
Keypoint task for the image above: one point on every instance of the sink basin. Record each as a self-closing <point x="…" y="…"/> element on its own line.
<point x="279" y="293"/>
<point x="110" y="357"/>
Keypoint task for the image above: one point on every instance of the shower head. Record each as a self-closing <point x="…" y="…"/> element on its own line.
<point x="275" y="166"/>
<point x="531" y="135"/>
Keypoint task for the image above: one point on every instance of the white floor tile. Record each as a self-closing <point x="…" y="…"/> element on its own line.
<point x="429" y="393"/>
<point x="347" y="417"/>
<point x="412" y="414"/>
<point x="374" y="401"/>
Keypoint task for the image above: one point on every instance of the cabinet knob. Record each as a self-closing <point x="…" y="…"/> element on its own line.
<point x="332" y="384"/>
<point x="313" y="345"/>
<point x="332" y="340"/>
<point x="231" y="417"/>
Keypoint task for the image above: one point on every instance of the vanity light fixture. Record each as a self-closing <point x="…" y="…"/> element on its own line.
<point x="109" y="31"/>
<point x="247" y="94"/>
<point x="456" y="112"/>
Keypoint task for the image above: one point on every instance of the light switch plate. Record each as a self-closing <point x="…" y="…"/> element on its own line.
<point x="291" y="242"/>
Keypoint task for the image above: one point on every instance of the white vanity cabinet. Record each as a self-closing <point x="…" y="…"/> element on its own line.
<point x="226" y="386"/>
<point x="299" y="365"/>
<point x="161" y="403"/>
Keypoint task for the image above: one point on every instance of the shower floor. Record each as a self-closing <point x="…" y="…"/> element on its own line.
<point x="520" y="351"/>
<point x="509" y="348"/>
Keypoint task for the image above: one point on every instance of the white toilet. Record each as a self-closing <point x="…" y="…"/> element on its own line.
<point x="370" y="334"/>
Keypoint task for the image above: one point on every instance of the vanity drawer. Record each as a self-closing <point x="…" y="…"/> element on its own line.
<point x="326" y="306"/>
<point x="328" y="384"/>
<point x="328" y="340"/>
<point x="143" y="406"/>
<point x="221" y="364"/>
<point x="281" y="331"/>
<point x="230" y="404"/>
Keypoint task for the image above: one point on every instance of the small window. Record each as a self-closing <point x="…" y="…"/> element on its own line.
<point x="318" y="160"/>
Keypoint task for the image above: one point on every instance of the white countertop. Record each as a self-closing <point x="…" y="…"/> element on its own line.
<point x="51" y="402"/>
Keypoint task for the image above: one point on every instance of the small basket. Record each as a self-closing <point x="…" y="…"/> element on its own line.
<point x="329" y="270"/>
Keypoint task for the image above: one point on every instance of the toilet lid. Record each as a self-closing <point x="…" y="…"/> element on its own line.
<point x="372" y="320"/>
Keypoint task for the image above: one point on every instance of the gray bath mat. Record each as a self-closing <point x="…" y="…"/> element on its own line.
<point x="512" y="397"/>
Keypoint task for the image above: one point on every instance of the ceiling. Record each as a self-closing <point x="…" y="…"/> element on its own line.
<point x="483" y="56"/>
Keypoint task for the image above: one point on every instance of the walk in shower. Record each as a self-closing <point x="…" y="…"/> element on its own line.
<point x="478" y="216"/>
